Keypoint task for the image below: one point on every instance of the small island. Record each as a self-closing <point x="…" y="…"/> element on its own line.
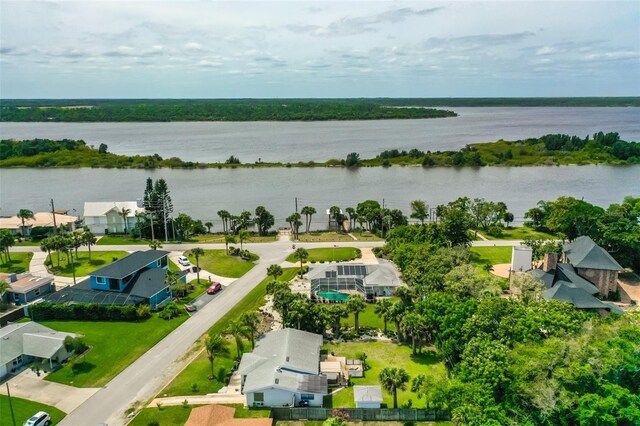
<point x="548" y="150"/>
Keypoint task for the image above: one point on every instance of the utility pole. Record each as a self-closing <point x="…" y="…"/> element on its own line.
<point x="153" y="235"/>
<point x="13" y="416"/>
<point x="296" y="204"/>
<point x="164" y="214"/>
<point x="73" y="266"/>
<point x="53" y="213"/>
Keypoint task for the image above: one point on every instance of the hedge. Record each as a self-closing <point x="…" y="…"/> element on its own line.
<point x="83" y="311"/>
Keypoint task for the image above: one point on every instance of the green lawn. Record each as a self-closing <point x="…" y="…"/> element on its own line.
<point x="23" y="409"/>
<point x="219" y="263"/>
<point x="19" y="263"/>
<point x="83" y="265"/>
<point x="115" y="345"/>
<point x="29" y="243"/>
<point x="384" y="354"/>
<point x="115" y="240"/>
<point x="368" y="319"/>
<point x="119" y="240"/>
<point x="178" y="415"/>
<point x="199" y="370"/>
<point x="199" y="288"/>
<point x="492" y="255"/>
<point x="520" y="233"/>
<point x="334" y="236"/>
<point x="219" y="238"/>
<point x="337" y="254"/>
<point x="173" y="267"/>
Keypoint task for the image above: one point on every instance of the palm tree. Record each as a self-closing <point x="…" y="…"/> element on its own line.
<point x="229" y="239"/>
<point x="225" y="216"/>
<point x="243" y="235"/>
<point x="171" y="281"/>
<point x="197" y="252"/>
<point x="214" y="344"/>
<point x="209" y="225"/>
<point x="238" y="330"/>
<point x="356" y="304"/>
<point x="124" y="213"/>
<point x="23" y="215"/>
<point x="383" y="306"/>
<point x="308" y="212"/>
<point x="352" y="217"/>
<point x="298" y="309"/>
<point x="6" y="240"/>
<point x="302" y="255"/>
<point x="251" y="321"/>
<point x="155" y="244"/>
<point x="419" y="210"/>
<point x="275" y="271"/>
<point x="89" y="239"/>
<point x="76" y="241"/>
<point x="336" y="312"/>
<point x="4" y="286"/>
<point x="335" y="214"/>
<point x="392" y="379"/>
<point x="396" y="312"/>
<point x="412" y="325"/>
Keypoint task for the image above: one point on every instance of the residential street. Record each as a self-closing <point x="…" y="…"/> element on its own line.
<point x="144" y="379"/>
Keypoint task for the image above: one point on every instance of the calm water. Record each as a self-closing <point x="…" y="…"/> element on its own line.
<point x="319" y="141"/>
<point x="201" y="193"/>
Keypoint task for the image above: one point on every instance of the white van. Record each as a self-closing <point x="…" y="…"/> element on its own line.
<point x="41" y="418"/>
<point x="184" y="261"/>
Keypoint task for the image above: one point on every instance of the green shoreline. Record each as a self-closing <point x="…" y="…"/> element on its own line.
<point x="548" y="150"/>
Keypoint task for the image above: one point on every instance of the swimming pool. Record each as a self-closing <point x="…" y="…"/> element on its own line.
<point x="333" y="295"/>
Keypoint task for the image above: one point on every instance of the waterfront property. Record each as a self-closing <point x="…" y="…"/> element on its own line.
<point x="335" y="281"/>
<point x="24" y="343"/>
<point x="284" y="370"/>
<point x="25" y="288"/>
<point x="137" y="278"/>
<point x="593" y="263"/>
<point x="112" y="216"/>
<point x="39" y="220"/>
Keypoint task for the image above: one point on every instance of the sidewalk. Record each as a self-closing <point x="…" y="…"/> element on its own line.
<point x="213" y="398"/>
<point x="36" y="266"/>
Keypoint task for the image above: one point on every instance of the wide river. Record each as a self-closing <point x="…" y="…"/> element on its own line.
<point x="201" y="193"/>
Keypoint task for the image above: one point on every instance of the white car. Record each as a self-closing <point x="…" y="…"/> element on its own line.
<point x="41" y="418"/>
<point x="184" y="261"/>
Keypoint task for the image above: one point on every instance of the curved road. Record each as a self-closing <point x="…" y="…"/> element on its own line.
<point x="144" y="378"/>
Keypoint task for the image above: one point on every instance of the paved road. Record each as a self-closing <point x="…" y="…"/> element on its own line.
<point x="148" y="374"/>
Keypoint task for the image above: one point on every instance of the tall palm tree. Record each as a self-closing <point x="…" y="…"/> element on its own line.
<point x="275" y="271"/>
<point x="302" y="255"/>
<point x="214" y="344"/>
<point x="396" y="312"/>
<point x="413" y="325"/>
<point x="225" y="216"/>
<point x="308" y="212"/>
<point x="251" y="320"/>
<point x="155" y="244"/>
<point x="89" y="239"/>
<point x="209" y="225"/>
<point x="23" y="215"/>
<point x="243" y="235"/>
<point x="4" y="286"/>
<point x="124" y="213"/>
<point x="45" y="245"/>
<point x="392" y="379"/>
<point x="229" y="239"/>
<point x="238" y="330"/>
<point x="352" y="217"/>
<point x="334" y="213"/>
<point x="419" y="210"/>
<point x="197" y="252"/>
<point x="383" y="306"/>
<point x="76" y="241"/>
<point x="356" y="304"/>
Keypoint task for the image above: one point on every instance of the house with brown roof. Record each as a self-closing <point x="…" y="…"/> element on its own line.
<point x="25" y="288"/>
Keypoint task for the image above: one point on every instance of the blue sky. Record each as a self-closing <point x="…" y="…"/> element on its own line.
<point x="184" y="49"/>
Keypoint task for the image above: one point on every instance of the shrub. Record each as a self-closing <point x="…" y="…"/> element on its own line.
<point x="169" y="311"/>
<point x="143" y="311"/>
<point x="83" y="311"/>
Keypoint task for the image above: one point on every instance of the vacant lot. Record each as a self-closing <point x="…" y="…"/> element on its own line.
<point x="115" y="345"/>
<point x="220" y="263"/>
<point x="335" y="254"/>
<point x="520" y="233"/>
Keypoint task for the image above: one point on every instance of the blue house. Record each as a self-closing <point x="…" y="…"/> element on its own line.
<point x="136" y="278"/>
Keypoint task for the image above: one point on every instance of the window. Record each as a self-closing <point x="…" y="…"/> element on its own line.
<point x="258" y="397"/>
<point x="37" y="292"/>
<point x="114" y="284"/>
<point x="100" y="280"/>
<point x="307" y="397"/>
<point x="16" y="297"/>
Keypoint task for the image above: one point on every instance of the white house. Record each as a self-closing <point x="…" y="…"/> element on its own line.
<point x="24" y="343"/>
<point x="106" y="217"/>
<point x="284" y="370"/>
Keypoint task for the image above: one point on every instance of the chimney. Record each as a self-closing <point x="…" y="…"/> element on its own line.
<point x="550" y="262"/>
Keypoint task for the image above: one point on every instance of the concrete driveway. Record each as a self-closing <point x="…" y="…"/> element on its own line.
<point x="63" y="397"/>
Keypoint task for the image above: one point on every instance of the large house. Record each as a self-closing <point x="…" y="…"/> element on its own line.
<point x="136" y="278"/>
<point x="335" y="279"/>
<point x="593" y="263"/>
<point x="25" y="288"/>
<point x="111" y="216"/>
<point x="39" y="219"/>
<point x="23" y="343"/>
<point x="284" y="370"/>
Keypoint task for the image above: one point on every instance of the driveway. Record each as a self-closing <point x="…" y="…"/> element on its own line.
<point x="63" y="397"/>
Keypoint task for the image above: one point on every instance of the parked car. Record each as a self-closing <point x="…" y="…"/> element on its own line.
<point x="184" y="261"/>
<point x="41" y="418"/>
<point x="190" y="308"/>
<point x="214" y="288"/>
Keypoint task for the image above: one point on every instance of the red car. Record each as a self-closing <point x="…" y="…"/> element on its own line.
<point x="214" y="288"/>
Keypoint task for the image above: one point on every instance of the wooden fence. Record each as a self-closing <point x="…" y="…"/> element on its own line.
<point x="364" y="414"/>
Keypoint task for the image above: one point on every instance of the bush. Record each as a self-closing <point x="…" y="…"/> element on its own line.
<point x="169" y="311"/>
<point x="83" y="311"/>
<point x="143" y="311"/>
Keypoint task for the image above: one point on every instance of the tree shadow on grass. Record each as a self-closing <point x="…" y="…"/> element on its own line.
<point x="82" y="368"/>
<point x="426" y="357"/>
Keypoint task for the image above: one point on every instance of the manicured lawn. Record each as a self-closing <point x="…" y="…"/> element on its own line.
<point x="334" y="236"/>
<point x="118" y="240"/>
<point x="520" y="233"/>
<point x="173" y="267"/>
<point x="19" y="263"/>
<point x="219" y="263"/>
<point x="23" y="409"/>
<point x="219" y="238"/>
<point x="115" y="345"/>
<point x="369" y="319"/>
<point x="199" y="370"/>
<point x="200" y="287"/>
<point x="109" y="240"/>
<point x="83" y="265"/>
<point x="337" y="254"/>
<point x="384" y="354"/>
<point x="28" y="243"/>
<point x="492" y="255"/>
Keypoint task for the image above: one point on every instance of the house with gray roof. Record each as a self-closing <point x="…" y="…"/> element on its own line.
<point x="370" y="281"/>
<point x="284" y="370"/>
<point x="594" y="264"/>
<point x="23" y="343"/>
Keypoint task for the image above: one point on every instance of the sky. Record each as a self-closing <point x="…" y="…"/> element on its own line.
<point x="298" y="49"/>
